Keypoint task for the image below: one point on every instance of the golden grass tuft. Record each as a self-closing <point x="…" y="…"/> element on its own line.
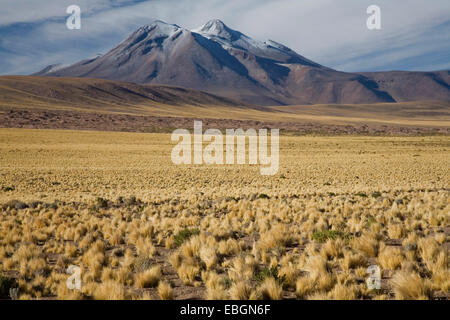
<point x="109" y="290"/>
<point x="165" y="290"/>
<point x="270" y="289"/>
<point x="148" y="278"/>
<point x="410" y="286"/>
<point x="304" y="286"/>
<point x="390" y="258"/>
<point x="241" y="290"/>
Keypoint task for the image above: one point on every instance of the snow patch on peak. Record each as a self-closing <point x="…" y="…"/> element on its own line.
<point x="214" y="26"/>
<point x="217" y="29"/>
<point x="229" y="39"/>
<point x="156" y="31"/>
<point x="163" y="28"/>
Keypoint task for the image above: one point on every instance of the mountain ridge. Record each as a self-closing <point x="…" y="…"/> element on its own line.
<point x="99" y="94"/>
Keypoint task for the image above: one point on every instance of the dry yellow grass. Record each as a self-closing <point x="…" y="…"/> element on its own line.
<point x="165" y="290"/>
<point x="140" y="227"/>
<point x="148" y="278"/>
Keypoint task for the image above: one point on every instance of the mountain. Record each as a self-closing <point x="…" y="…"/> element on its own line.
<point x="49" y="69"/>
<point x="223" y="61"/>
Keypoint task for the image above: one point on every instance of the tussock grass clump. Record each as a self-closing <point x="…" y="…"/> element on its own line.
<point x="333" y="249"/>
<point x="396" y="231"/>
<point x="165" y="291"/>
<point x="208" y="256"/>
<point x="188" y="273"/>
<point x="304" y="286"/>
<point x="240" y="290"/>
<point x="366" y="245"/>
<point x="288" y="275"/>
<point x="343" y="292"/>
<point x="242" y="268"/>
<point x="390" y="258"/>
<point x="353" y="261"/>
<point x="316" y="266"/>
<point x="148" y="278"/>
<point x="216" y="286"/>
<point x="410" y="286"/>
<point x="145" y="248"/>
<point x="278" y="236"/>
<point x="271" y="289"/>
<point x="109" y="290"/>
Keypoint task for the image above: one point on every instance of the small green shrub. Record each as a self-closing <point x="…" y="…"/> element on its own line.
<point x="376" y="194"/>
<point x="271" y="272"/>
<point x="362" y="194"/>
<point x="185" y="234"/>
<point x="102" y="203"/>
<point x="370" y="220"/>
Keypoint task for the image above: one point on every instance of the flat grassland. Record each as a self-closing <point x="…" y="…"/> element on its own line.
<point x="140" y="227"/>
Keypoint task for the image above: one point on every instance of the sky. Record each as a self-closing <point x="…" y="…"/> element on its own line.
<point x="414" y="34"/>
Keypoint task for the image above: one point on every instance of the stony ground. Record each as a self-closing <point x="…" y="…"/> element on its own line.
<point x="72" y="120"/>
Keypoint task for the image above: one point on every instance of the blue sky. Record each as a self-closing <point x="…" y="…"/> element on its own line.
<point x="415" y="34"/>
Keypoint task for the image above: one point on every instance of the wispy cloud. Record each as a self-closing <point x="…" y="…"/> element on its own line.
<point x="414" y="36"/>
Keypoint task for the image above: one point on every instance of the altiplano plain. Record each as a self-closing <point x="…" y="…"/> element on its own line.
<point x="141" y="227"/>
